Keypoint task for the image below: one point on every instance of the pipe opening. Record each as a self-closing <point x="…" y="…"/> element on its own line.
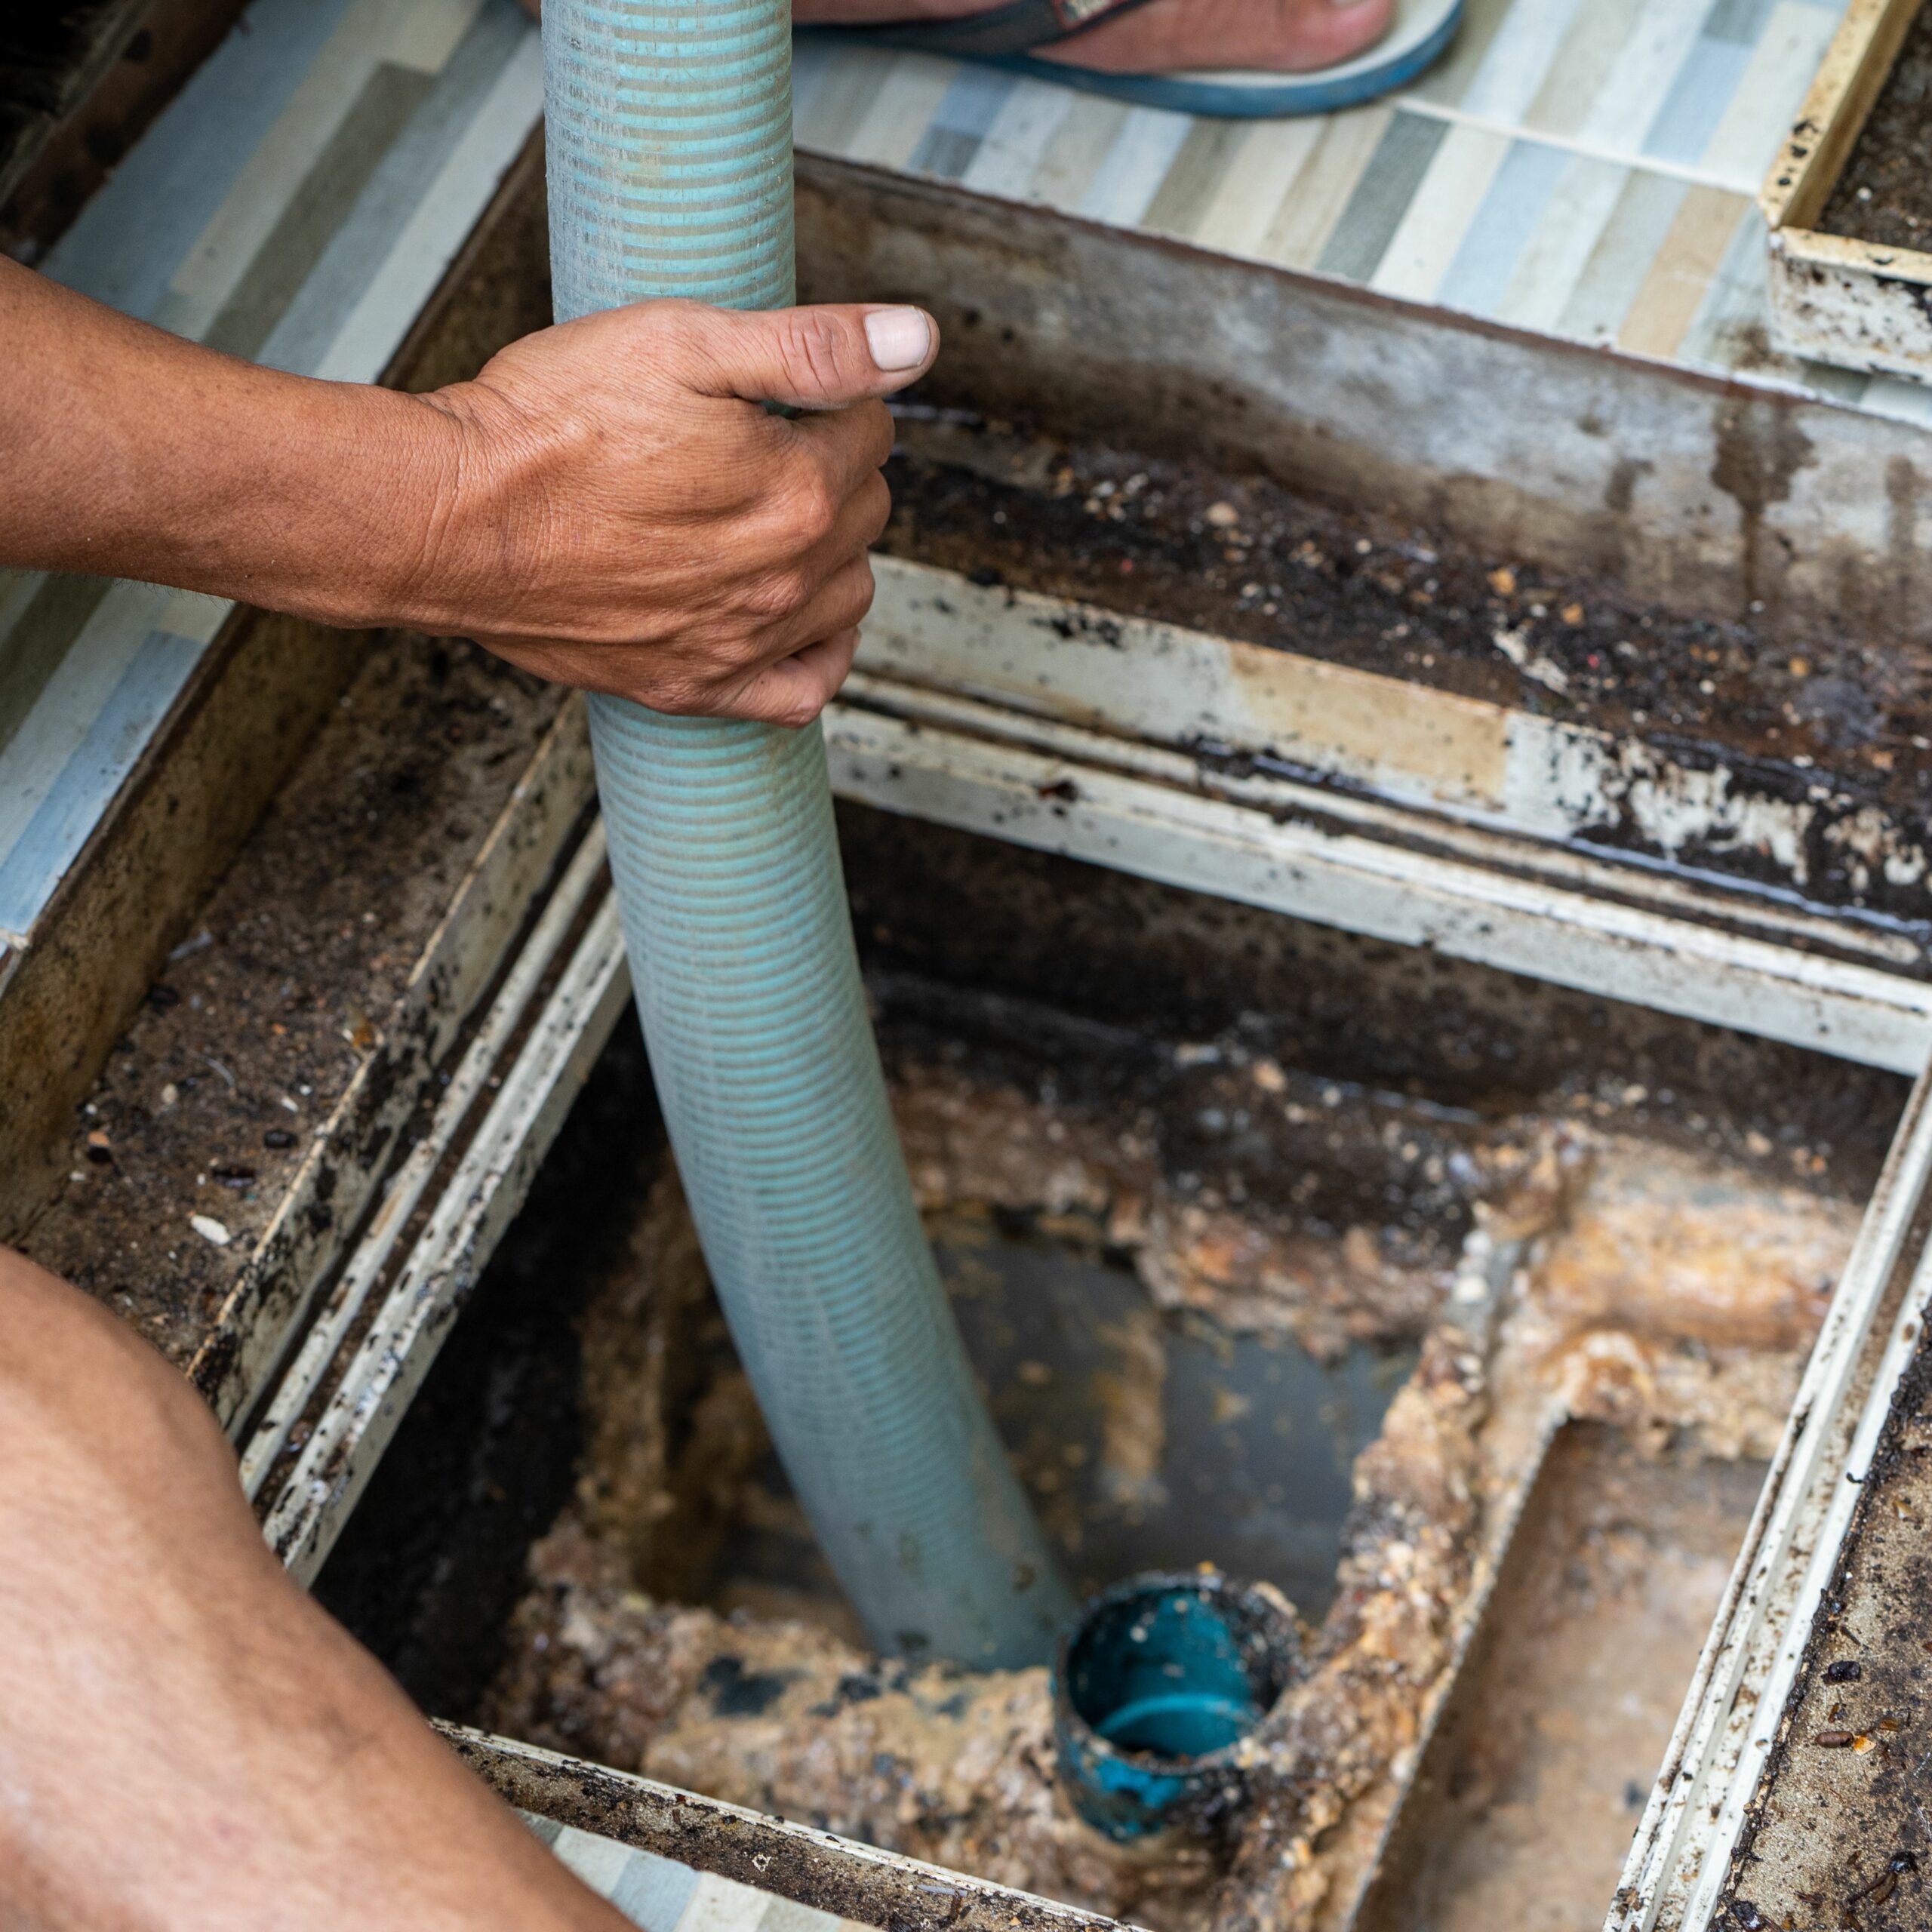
<point x="1160" y="1682"/>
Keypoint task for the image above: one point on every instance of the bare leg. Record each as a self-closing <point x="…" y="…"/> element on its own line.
<point x="186" y="1741"/>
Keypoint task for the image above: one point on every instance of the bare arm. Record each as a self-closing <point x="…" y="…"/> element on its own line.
<point x="188" y="1742"/>
<point x="606" y="503"/>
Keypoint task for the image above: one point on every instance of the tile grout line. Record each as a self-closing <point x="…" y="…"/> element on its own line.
<point x="1569" y="144"/>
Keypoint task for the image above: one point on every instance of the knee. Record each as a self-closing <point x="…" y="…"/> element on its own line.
<point x="68" y="1364"/>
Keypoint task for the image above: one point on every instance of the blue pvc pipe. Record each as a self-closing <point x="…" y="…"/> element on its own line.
<point x="668" y="139"/>
<point x="1158" y="1686"/>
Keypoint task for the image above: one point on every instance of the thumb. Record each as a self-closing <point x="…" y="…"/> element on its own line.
<point x="820" y="357"/>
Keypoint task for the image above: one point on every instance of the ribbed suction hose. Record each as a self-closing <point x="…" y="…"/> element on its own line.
<point x="668" y="136"/>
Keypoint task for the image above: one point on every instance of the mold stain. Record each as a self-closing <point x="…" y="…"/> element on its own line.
<point x="1759" y="449"/>
<point x="1127" y="1328"/>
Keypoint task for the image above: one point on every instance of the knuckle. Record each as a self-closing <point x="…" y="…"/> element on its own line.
<point x="677" y="332"/>
<point x="679" y="697"/>
<point x="774" y="596"/>
<point x="859" y="594"/>
<point x="811" y="351"/>
<point x="813" y="506"/>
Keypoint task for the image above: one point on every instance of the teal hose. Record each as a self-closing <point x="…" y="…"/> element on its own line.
<point x="668" y="139"/>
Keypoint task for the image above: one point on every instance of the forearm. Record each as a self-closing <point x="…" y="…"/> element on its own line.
<point x="128" y="452"/>
<point x="608" y="503"/>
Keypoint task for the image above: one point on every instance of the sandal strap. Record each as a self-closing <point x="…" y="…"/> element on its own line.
<point x="1015" y="28"/>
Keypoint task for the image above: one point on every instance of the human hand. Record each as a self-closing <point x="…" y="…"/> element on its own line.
<point x="618" y="510"/>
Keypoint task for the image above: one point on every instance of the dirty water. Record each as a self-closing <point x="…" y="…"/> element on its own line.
<point x="1528" y="1797"/>
<point x="1147" y="1439"/>
<point x="1884" y="195"/>
<point x="675" y="1623"/>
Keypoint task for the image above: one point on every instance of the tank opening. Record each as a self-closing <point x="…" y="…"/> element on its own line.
<point x="1205" y="1186"/>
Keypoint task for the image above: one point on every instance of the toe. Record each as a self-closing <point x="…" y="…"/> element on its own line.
<point x="1325" y="32"/>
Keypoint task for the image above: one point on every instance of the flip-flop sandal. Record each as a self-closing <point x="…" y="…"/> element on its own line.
<point x="1006" y="36"/>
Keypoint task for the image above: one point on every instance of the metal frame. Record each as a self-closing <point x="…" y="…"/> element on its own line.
<point x="1731" y="1712"/>
<point x="811" y="1868"/>
<point x="1478" y="866"/>
<point x="1446" y="869"/>
<point x="1833" y="296"/>
<point x="527" y="1062"/>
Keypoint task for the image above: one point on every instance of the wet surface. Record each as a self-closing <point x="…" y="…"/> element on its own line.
<point x="1527" y="1800"/>
<point x="1884" y="195"/>
<point x="1188" y="1180"/>
<point x="1148" y="1439"/>
<point x="750" y="1684"/>
<point x="255" y="1028"/>
<point x="1840" y="1833"/>
<point x="1158" y="1442"/>
<point x="1242" y="557"/>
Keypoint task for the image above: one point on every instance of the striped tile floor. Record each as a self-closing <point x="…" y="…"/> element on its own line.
<point x="297" y="204"/>
<point x="660" y="1895"/>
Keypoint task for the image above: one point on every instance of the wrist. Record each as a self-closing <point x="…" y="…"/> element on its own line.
<point x="368" y="499"/>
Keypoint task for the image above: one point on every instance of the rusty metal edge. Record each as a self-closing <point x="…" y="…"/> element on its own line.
<point x="1646" y="472"/>
<point x="1683" y="1844"/>
<point x="796" y="1862"/>
<point x="339" y="1175"/>
<point x="383" y="1369"/>
<point x="1849" y="80"/>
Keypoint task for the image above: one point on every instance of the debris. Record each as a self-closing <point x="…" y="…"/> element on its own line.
<point x="1223" y="516"/>
<point x="1514" y="645"/>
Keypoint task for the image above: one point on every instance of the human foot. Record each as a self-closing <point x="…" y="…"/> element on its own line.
<point x="1278" y="36"/>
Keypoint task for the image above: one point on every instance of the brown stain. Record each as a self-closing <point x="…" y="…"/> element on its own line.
<point x="1036" y="329"/>
<point x="1561" y="1718"/>
<point x="1759" y="450"/>
<point x="1673" y="1248"/>
<point x="1903" y="486"/>
<point x="1398" y="732"/>
<point x="1134" y="1422"/>
<point x="1660" y="1260"/>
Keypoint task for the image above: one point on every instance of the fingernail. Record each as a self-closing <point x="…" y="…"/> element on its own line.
<point x="899" y="338"/>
